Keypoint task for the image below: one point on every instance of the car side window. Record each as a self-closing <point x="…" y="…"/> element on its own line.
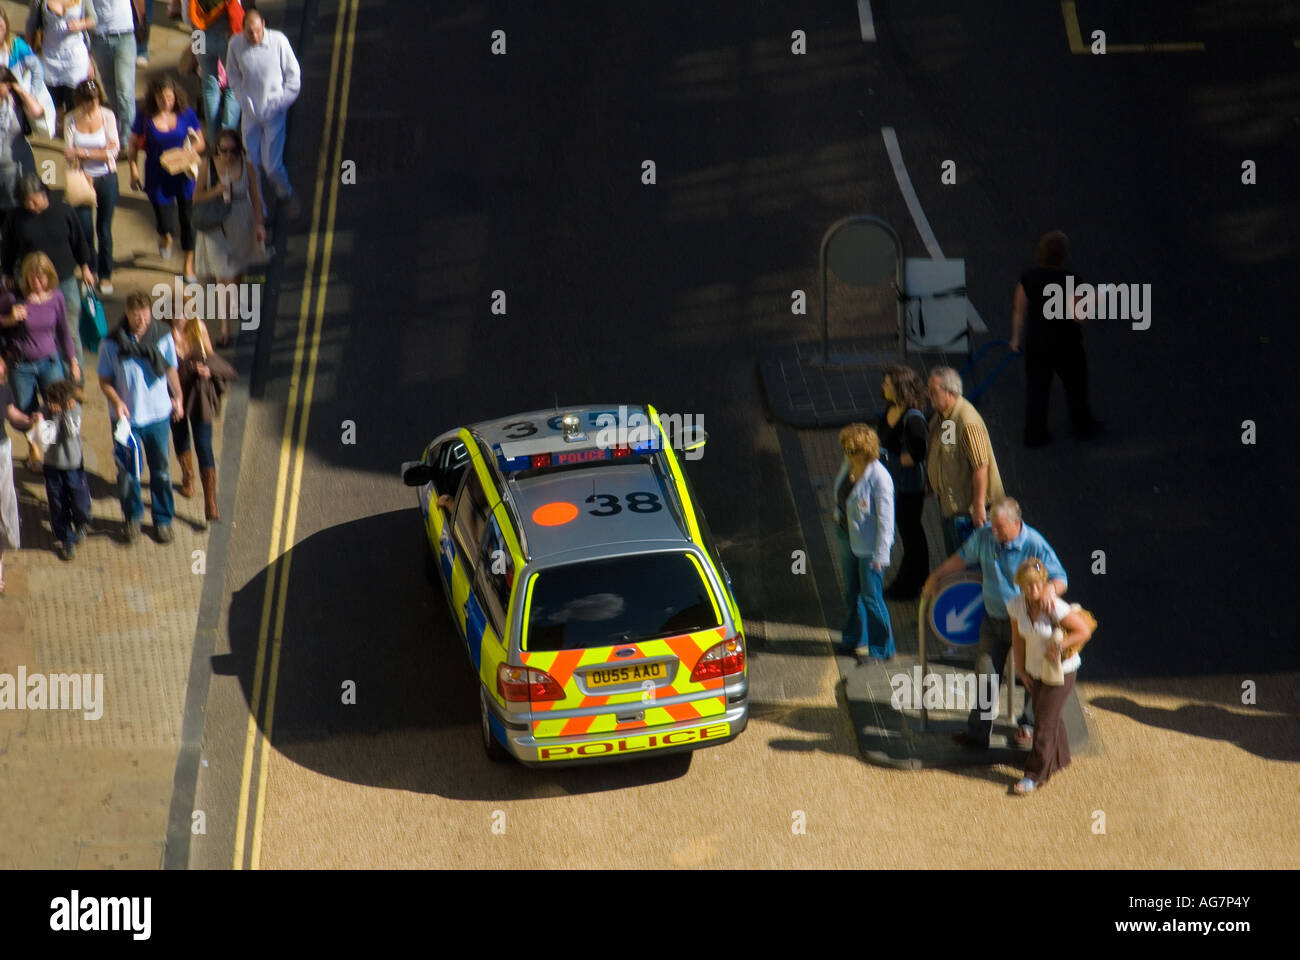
<point x="496" y="575"/>
<point x="471" y="518"/>
<point x="451" y="461"/>
<point x="706" y="533"/>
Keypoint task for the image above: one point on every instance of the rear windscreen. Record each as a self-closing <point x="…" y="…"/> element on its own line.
<point x="602" y="603"/>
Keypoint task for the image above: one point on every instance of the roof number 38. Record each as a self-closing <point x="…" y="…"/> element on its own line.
<point x="638" y="502"/>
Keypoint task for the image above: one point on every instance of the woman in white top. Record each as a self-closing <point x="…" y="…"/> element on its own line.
<point x="64" y="49"/>
<point x="1035" y="615"/>
<point x="90" y="143"/>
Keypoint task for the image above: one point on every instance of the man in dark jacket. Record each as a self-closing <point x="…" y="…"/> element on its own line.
<point x="51" y="227"/>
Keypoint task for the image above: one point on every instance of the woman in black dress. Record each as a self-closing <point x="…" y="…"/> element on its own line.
<point x="904" y="440"/>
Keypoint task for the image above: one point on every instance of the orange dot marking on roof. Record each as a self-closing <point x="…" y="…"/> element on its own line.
<point x="554" y="514"/>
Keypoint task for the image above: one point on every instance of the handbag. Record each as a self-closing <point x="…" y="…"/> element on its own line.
<point x="211" y="214"/>
<point x="80" y="191"/>
<point x="93" y="325"/>
<point x="45" y="123"/>
<point x="1053" y="674"/>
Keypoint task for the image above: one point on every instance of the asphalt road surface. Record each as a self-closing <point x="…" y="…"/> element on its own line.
<point x="523" y="173"/>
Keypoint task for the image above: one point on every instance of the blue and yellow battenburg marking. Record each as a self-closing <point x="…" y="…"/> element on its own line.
<point x="486" y="649"/>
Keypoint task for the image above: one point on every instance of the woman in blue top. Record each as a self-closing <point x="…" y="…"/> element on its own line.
<point x="15" y="53"/>
<point x="864" y="518"/>
<point x="164" y="122"/>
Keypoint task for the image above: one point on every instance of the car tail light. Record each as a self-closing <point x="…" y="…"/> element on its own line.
<point x="525" y="684"/>
<point x="721" y="660"/>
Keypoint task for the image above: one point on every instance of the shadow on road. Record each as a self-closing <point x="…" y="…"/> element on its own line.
<point x="1271" y="736"/>
<point x="364" y="608"/>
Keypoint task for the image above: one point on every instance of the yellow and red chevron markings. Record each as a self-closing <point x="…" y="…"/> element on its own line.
<point x="563" y="664"/>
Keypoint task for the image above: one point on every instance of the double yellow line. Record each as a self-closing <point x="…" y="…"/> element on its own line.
<point x="285" y="516"/>
<point x="1075" y="38"/>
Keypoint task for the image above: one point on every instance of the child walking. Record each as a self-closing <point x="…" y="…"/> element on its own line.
<point x="65" y="475"/>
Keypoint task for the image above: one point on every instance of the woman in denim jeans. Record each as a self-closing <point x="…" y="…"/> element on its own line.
<point x="37" y="331"/>
<point x="864" y="518"/>
<point x="9" y="533"/>
<point x="91" y="143"/>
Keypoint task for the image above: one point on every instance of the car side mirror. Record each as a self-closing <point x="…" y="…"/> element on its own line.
<point x="693" y="439"/>
<point x="416" y="474"/>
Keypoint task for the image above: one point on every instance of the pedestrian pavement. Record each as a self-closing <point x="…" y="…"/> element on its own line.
<point x="94" y="793"/>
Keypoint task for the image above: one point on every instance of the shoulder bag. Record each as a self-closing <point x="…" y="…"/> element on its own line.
<point x="211" y="214"/>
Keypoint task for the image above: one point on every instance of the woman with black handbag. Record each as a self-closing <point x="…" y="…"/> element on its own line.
<point x="228" y="216"/>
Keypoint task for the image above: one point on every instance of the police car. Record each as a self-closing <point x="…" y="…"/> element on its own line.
<point x="593" y="605"/>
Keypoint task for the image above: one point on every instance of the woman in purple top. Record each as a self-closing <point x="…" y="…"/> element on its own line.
<point x="162" y="124"/>
<point x="36" y="332"/>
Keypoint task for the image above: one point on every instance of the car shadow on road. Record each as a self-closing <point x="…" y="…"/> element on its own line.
<point x="1269" y="735"/>
<point x="374" y="685"/>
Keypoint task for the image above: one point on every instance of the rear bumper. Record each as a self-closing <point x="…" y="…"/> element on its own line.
<point x="628" y="744"/>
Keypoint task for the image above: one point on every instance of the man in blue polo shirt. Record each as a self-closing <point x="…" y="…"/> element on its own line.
<point x="137" y="372"/>
<point x="998" y="549"/>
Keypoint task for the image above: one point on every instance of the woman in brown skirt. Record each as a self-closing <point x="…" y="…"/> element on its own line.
<point x="1036" y="615"/>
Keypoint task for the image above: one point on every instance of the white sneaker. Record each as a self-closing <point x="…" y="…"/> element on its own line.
<point x="165" y="250"/>
<point x="106" y="287"/>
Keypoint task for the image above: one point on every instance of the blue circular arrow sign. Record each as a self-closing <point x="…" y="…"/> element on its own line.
<point x="957" y="612"/>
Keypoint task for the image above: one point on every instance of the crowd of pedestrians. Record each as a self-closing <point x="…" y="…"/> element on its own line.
<point x="885" y="476"/>
<point x="162" y="378"/>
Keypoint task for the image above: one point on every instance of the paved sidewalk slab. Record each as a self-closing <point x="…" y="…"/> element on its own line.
<point x="805" y="391"/>
<point x="94" y="793"/>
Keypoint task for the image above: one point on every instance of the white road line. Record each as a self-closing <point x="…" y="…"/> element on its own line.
<point x="918" y="216"/>
<point x="864" y="19"/>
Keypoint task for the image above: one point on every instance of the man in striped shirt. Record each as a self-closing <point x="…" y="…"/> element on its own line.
<point x="961" y="468"/>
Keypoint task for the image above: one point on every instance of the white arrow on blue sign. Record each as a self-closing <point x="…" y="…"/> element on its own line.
<point x="957" y="612"/>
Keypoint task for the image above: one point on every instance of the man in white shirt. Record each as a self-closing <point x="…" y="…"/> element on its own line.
<point x="113" y="44"/>
<point x="264" y="75"/>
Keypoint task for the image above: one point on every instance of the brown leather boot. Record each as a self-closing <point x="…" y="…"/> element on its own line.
<point x="186" y="489"/>
<point x="209" y="477"/>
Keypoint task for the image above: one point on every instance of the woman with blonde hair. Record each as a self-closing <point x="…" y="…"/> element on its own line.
<point x="204" y="378"/>
<point x="37" y="332"/>
<point x="864" y="525"/>
<point x="1046" y="636"/>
